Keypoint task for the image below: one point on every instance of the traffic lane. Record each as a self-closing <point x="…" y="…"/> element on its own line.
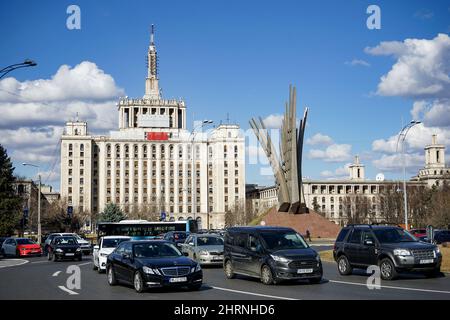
<point x="43" y="279"/>
<point x="405" y="280"/>
<point x="33" y="280"/>
<point x="335" y="286"/>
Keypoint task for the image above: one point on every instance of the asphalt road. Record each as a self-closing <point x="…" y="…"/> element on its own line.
<point x="37" y="278"/>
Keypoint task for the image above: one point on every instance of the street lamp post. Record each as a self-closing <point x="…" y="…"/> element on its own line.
<point x="8" y="69"/>
<point x="402" y="137"/>
<point x="39" y="200"/>
<point x="193" y="171"/>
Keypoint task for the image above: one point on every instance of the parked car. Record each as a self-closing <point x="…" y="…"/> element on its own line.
<point x="441" y="236"/>
<point x="393" y="249"/>
<point x="418" y="233"/>
<point x="64" y="247"/>
<point x="271" y="254"/>
<point x="152" y="263"/>
<point x="84" y="244"/>
<point x="177" y="237"/>
<point x="2" y="239"/>
<point x="20" y="247"/>
<point x="105" y="246"/>
<point x="206" y="249"/>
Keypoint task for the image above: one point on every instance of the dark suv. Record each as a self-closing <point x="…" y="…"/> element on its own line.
<point x="391" y="248"/>
<point x="271" y="254"/>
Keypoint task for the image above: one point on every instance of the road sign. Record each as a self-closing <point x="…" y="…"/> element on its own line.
<point x="163" y="216"/>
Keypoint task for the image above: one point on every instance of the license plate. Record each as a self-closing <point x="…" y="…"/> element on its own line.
<point x="305" y="271"/>
<point x="426" y="261"/>
<point x="180" y="279"/>
<point x="70" y="254"/>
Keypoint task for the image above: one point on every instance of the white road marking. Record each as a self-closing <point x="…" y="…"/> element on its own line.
<point x="39" y="262"/>
<point x="84" y="264"/>
<point x="391" y="287"/>
<point x="16" y="262"/>
<point x="67" y="290"/>
<point x="253" y="293"/>
<point x="56" y="273"/>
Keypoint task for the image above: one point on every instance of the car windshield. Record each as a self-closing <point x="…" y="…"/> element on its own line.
<point x="283" y="240"/>
<point x="393" y="235"/>
<point x="113" y="243"/>
<point x="209" y="241"/>
<point x="66" y="240"/>
<point x="156" y="250"/>
<point x="24" y="241"/>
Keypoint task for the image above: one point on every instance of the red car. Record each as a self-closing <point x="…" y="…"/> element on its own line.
<point x="418" y="232"/>
<point x="20" y="247"/>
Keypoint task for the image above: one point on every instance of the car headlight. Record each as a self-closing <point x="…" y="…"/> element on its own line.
<point x="437" y="250"/>
<point x="59" y="250"/>
<point x="402" y="252"/>
<point x="149" y="270"/>
<point x="203" y="253"/>
<point x="102" y="254"/>
<point x="23" y="249"/>
<point x="318" y="258"/>
<point x="78" y="250"/>
<point x="279" y="259"/>
<point x="196" y="268"/>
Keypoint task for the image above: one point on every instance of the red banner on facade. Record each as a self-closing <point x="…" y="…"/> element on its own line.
<point x="157" y="136"/>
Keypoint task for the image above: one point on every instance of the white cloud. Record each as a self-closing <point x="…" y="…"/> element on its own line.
<point x="333" y="153"/>
<point x="273" y="121"/>
<point x="319" y="139"/>
<point x="394" y="163"/>
<point x="358" y="62"/>
<point x="424" y="14"/>
<point x="85" y="81"/>
<point x="421" y="70"/>
<point x="33" y="113"/>
<point x="339" y="173"/>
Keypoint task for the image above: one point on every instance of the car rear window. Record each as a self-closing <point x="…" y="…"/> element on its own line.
<point x="24" y="241"/>
<point x="342" y="235"/>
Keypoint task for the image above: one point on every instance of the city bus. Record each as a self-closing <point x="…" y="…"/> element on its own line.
<point x="143" y="229"/>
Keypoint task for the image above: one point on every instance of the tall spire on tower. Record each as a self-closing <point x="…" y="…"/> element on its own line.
<point x="151" y="82"/>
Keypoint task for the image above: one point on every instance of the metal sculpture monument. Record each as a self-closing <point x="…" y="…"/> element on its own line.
<point x="288" y="167"/>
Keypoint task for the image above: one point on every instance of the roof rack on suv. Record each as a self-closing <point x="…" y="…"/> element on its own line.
<point x="371" y="224"/>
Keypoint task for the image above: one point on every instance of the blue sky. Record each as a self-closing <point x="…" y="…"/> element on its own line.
<point x="238" y="57"/>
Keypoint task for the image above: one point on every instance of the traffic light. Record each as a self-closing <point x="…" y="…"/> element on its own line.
<point x="25" y="218"/>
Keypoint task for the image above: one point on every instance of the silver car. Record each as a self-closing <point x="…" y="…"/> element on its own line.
<point x="206" y="249"/>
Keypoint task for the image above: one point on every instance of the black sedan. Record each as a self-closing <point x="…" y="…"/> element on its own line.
<point x="65" y="247"/>
<point x="153" y="263"/>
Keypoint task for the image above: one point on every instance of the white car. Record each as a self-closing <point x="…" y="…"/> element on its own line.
<point x="104" y="248"/>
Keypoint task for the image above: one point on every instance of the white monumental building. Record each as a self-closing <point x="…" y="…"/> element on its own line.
<point x="328" y="196"/>
<point x="153" y="163"/>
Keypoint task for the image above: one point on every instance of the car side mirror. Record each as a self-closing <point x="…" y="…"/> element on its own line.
<point x="185" y="254"/>
<point x="369" y="243"/>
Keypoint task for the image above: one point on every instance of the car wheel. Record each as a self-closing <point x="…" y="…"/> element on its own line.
<point x="387" y="269"/>
<point x="94" y="267"/>
<point x="17" y="254"/>
<point x="229" y="270"/>
<point x="54" y="258"/>
<point x="344" y="266"/>
<point x="111" y="276"/>
<point x="266" y="275"/>
<point x="49" y="257"/>
<point x="195" y="287"/>
<point x="80" y="258"/>
<point x="3" y="253"/>
<point x="138" y="282"/>
<point x="99" y="270"/>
